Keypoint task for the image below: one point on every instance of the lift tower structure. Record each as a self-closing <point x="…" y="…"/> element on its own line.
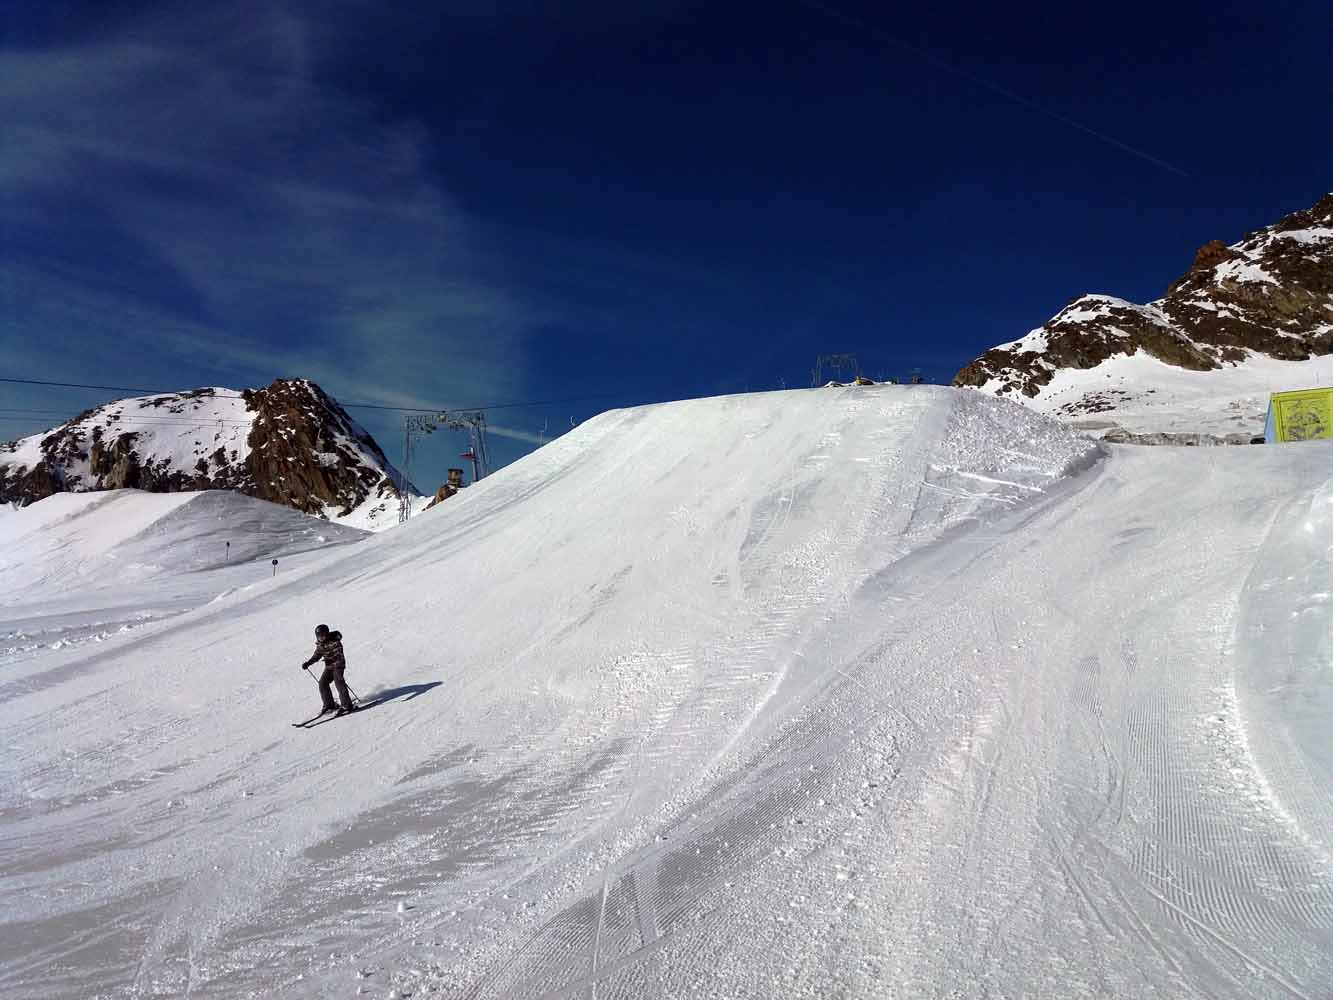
<point x="473" y="422"/>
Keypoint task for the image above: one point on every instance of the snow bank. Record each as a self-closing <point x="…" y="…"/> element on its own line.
<point x="1281" y="699"/>
<point x="870" y="691"/>
<point x="70" y="541"/>
<point x="1151" y="397"/>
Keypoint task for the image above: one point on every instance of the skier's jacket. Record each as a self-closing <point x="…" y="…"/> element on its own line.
<point x="330" y="650"/>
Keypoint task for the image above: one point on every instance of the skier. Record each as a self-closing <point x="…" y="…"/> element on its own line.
<point x="329" y="648"/>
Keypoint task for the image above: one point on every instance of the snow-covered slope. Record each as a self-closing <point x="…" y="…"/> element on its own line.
<point x="1137" y="398"/>
<point x="78" y="567"/>
<point x="1198" y="364"/>
<point x="71" y="541"/>
<point x="290" y="443"/>
<point x="864" y="692"/>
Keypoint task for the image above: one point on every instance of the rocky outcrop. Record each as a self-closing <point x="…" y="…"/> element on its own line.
<point x="289" y="443"/>
<point x="448" y="489"/>
<point x="442" y="494"/>
<point x="23" y="486"/>
<point x="1211" y="254"/>
<point x="307" y="453"/>
<point x="1119" y="436"/>
<point x="1270" y="294"/>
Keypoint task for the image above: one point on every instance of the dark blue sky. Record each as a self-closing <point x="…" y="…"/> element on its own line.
<point x="531" y="201"/>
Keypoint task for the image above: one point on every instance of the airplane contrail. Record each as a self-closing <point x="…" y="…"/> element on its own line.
<point x="993" y="87"/>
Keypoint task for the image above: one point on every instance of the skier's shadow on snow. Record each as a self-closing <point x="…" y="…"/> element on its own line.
<point x="407" y="692"/>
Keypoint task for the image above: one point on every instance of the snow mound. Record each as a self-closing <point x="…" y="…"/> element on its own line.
<point x="611" y="616"/>
<point x="70" y="541"/>
<point x="858" y="692"/>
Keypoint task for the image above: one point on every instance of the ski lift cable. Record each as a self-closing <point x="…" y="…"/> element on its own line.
<point x="345" y="405"/>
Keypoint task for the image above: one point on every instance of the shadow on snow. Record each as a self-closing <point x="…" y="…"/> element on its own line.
<point x="407" y="692"/>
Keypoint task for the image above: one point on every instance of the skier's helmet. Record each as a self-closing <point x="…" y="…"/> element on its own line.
<point x="321" y="631"/>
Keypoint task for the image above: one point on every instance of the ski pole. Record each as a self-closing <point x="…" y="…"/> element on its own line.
<point x="356" y="698"/>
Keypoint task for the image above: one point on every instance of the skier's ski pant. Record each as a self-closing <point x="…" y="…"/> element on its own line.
<point x="334" y="676"/>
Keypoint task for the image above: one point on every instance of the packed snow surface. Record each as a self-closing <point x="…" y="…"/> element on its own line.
<point x="862" y="692"/>
<point x="1152" y="397"/>
<point x="78" y="567"/>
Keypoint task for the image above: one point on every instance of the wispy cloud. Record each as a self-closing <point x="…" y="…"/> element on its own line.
<point x="514" y="434"/>
<point x="264" y="221"/>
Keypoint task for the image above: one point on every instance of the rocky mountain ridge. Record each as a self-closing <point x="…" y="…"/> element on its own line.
<point x="1266" y="298"/>
<point x="289" y="443"/>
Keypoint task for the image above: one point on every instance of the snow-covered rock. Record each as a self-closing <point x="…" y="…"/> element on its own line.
<point x="1198" y="364"/>
<point x="290" y="443"/>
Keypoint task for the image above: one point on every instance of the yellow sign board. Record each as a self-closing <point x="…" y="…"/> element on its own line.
<point x="1303" y="415"/>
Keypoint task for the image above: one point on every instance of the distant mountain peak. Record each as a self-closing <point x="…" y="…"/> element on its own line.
<point x="1266" y="298"/>
<point x="289" y="443"/>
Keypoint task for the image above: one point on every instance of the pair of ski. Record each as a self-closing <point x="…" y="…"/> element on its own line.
<point x="324" y="717"/>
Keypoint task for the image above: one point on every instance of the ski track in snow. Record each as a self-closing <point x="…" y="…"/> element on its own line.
<point x="866" y="692"/>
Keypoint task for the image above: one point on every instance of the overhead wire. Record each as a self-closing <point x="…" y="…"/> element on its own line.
<point x="149" y="421"/>
<point x="356" y="405"/>
<point x="137" y="418"/>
